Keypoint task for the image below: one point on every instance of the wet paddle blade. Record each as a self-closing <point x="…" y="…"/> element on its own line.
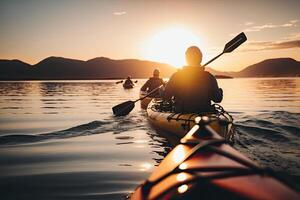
<point x="235" y="43"/>
<point x="123" y="109"/>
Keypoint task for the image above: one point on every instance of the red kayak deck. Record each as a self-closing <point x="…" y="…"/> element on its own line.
<point x="204" y="166"/>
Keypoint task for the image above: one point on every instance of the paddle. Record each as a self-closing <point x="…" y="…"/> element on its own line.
<point x="123" y="81"/>
<point x="231" y="45"/>
<point x="127" y="106"/>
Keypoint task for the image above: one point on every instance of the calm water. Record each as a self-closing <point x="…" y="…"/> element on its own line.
<point x="59" y="140"/>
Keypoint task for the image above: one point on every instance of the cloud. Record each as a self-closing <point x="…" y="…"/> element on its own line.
<point x="290" y="23"/>
<point x="119" y="13"/>
<point x="294" y="21"/>
<point x="293" y="36"/>
<point x="249" y="23"/>
<point x="252" y="46"/>
<point x="287" y="25"/>
<point x="269" y="45"/>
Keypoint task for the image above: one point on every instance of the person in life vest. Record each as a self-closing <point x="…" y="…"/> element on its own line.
<point x="153" y="83"/>
<point x="192" y="88"/>
<point x="128" y="81"/>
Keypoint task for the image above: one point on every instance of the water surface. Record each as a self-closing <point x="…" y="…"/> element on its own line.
<point x="59" y="140"/>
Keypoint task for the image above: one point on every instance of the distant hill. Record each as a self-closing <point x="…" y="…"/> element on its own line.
<point x="218" y="74"/>
<point x="59" y="68"/>
<point x="279" y="67"/>
<point x="223" y="77"/>
<point x="9" y="69"/>
<point x="64" y="68"/>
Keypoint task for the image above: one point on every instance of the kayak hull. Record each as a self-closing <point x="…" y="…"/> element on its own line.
<point x="145" y="102"/>
<point x="128" y="86"/>
<point x="180" y="124"/>
<point x="204" y="166"/>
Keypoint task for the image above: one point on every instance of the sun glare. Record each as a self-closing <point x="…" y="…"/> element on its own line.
<point x="169" y="46"/>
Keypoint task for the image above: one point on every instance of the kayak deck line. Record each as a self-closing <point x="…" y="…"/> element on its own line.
<point x="233" y="176"/>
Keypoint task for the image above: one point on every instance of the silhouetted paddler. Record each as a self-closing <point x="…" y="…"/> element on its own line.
<point x="153" y="83"/>
<point x="192" y="88"/>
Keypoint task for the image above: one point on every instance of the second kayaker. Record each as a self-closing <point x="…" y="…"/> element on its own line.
<point x="192" y="87"/>
<point x="128" y="81"/>
<point x="153" y="83"/>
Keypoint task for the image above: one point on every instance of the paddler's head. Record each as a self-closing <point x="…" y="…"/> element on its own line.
<point x="193" y="56"/>
<point x="156" y="73"/>
<point x="128" y="77"/>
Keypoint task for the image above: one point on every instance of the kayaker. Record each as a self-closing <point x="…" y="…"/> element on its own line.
<point x="128" y="81"/>
<point x="153" y="83"/>
<point x="191" y="87"/>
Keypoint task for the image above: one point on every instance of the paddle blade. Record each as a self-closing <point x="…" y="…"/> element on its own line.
<point x="235" y="43"/>
<point x="123" y="109"/>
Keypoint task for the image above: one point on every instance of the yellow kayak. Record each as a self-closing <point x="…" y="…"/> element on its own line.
<point x="168" y="122"/>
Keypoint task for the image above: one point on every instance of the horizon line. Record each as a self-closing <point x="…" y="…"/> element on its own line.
<point x="1" y="59"/>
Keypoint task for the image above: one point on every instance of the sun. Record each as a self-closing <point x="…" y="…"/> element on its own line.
<point x="169" y="45"/>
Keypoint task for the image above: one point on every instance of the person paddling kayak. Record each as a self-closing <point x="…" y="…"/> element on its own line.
<point x="128" y="84"/>
<point x="128" y="81"/>
<point x="153" y="83"/>
<point x="215" y="94"/>
<point x="192" y="88"/>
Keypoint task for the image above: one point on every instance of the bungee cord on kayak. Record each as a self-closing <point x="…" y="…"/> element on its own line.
<point x="205" y="178"/>
<point x="163" y="117"/>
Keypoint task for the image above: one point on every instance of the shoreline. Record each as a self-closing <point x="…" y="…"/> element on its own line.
<point x="103" y="79"/>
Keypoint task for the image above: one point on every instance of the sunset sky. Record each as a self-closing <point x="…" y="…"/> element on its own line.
<point x="156" y="30"/>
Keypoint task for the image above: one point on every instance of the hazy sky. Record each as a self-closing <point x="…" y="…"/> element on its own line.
<point x="33" y="30"/>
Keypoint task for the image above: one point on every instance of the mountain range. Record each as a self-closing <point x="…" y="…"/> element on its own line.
<point x="58" y="68"/>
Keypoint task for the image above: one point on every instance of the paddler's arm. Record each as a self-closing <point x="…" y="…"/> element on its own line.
<point x="169" y="91"/>
<point x="145" y="86"/>
<point x="217" y="93"/>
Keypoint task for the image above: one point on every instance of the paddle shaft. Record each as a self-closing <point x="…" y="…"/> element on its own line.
<point x="123" y="81"/>
<point x="153" y="91"/>
<point x="230" y="46"/>
<point x="213" y="59"/>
